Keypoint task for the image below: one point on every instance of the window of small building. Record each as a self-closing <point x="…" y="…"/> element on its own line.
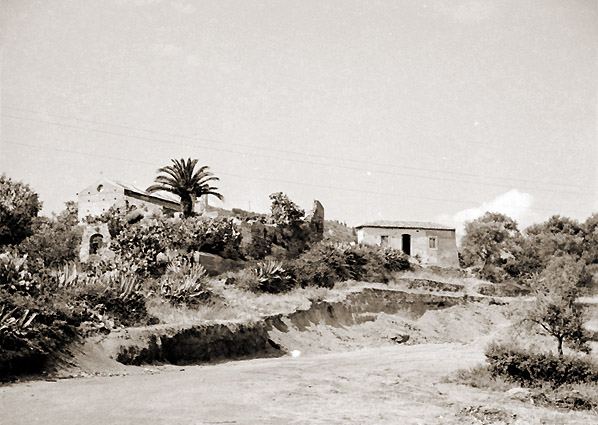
<point x="433" y="242"/>
<point x="384" y="240"/>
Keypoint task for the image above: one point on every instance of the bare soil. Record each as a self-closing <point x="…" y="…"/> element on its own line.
<point x="385" y="385"/>
<point x="351" y="370"/>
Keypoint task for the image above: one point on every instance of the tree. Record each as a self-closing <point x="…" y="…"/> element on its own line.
<point x="293" y="232"/>
<point x="54" y="241"/>
<point x="188" y="184"/>
<point x="488" y="242"/>
<point x="555" y="311"/>
<point x="284" y="211"/>
<point x="590" y="241"/>
<point x="558" y="236"/>
<point x="18" y="206"/>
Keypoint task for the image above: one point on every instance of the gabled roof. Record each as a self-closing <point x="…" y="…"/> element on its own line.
<point x="164" y="196"/>
<point x="386" y="224"/>
<point x="167" y="197"/>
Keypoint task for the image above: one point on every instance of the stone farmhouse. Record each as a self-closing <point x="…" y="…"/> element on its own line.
<point x="434" y="244"/>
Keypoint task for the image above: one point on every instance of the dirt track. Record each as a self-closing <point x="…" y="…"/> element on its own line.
<point x="387" y="385"/>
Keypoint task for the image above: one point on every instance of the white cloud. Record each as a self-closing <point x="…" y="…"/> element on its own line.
<point x="513" y="203"/>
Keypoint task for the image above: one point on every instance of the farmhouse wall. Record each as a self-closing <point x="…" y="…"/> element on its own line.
<point x="445" y="254"/>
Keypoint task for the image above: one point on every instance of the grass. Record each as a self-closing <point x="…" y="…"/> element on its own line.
<point x="230" y="303"/>
<point x="234" y="303"/>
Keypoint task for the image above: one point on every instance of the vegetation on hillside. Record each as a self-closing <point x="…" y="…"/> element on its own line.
<point x="495" y="249"/>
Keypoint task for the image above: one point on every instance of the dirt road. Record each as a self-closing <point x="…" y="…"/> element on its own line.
<point x="388" y="385"/>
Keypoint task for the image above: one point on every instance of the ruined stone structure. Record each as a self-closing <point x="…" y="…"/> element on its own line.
<point x="316" y="218"/>
<point x="434" y="244"/>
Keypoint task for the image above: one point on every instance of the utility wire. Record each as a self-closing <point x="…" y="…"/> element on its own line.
<point x="442" y="179"/>
<point x="369" y="192"/>
<point x="270" y="149"/>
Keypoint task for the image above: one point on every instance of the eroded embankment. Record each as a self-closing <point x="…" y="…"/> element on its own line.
<point x="191" y="345"/>
<point x="365" y="318"/>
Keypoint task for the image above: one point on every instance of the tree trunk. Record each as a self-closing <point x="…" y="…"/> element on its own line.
<point x="187" y="205"/>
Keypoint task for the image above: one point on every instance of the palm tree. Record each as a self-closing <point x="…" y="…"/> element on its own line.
<point x="183" y="180"/>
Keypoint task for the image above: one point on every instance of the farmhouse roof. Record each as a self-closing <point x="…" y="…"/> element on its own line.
<point x="163" y="196"/>
<point x="386" y="224"/>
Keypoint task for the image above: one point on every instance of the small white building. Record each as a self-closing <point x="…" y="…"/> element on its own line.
<point x="434" y="244"/>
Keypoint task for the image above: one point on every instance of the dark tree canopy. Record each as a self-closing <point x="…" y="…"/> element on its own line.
<point x="18" y="206"/>
<point x="182" y="179"/>
<point x="488" y="242"/>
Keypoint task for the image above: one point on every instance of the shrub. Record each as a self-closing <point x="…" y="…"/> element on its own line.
<point x="262" y="237"/>
<point x="395" y="260"/>
<point x="140" y="245"/>
<point x="244" y="279"/>
<point x="272" y="277"/>
<point x="531" y="369"/>
<point x="184" y="283"/>
<point x="15" y="275"/>
<point x="55" y="240"/>
<point x="219" y="236"/>
<point x="31" y="330"/>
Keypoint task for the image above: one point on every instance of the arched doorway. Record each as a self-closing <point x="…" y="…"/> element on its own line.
<point x="406" y="244"/>
<point x="95" y="243"/>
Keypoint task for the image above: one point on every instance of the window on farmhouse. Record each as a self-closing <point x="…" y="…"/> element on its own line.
<point x="433" y="242"/>
<point x="383" y="240"/>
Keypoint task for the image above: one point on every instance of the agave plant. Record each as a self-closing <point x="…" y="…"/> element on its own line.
<point x="10" y="323"/>
<point x="272" y="276"/>
<point x="68" y="276"/>
<point x="184" y="282"/>
<point x="126" y="284"/>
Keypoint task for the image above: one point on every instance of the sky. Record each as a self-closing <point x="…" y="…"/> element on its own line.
<point x="395" y="110"/>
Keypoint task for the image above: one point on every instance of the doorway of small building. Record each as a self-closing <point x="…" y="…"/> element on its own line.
<point x="95" y="243"/>
<point x="406" y="244"/>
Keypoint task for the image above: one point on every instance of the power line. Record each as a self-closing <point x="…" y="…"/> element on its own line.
<point x="210" y="140"/>
<point x="442" y="179"/>
<point x="369" y="192"/>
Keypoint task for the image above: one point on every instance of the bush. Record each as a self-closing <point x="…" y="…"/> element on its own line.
<point x="219" y="236"/>
<point x="272" y="277"/>
<point x="15" y="275"/>
<point x="531" y="369"/>
<point x="326" y="264"/>
<point x="140" y="245"/>
<point x="323" y="266"/>
<point x="55" y="241"/>
<point x="184" y="283"/>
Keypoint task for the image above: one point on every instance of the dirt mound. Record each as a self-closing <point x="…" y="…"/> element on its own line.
<point x="375" y="317"/>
